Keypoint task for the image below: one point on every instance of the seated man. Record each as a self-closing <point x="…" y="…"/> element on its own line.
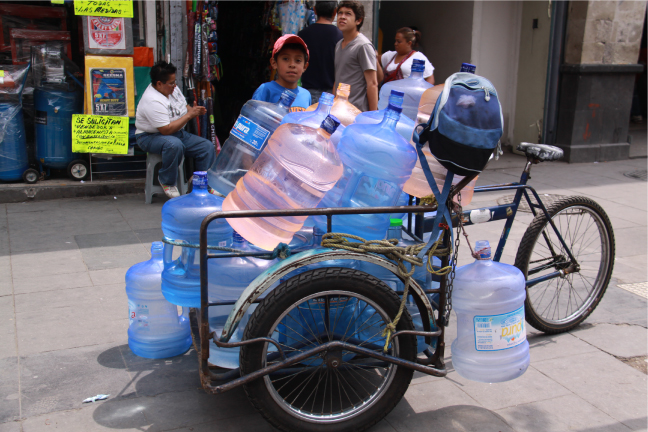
<point x="161" y="116"/>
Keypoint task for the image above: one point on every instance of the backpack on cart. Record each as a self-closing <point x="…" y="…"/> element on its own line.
<point x="466" y="124"/>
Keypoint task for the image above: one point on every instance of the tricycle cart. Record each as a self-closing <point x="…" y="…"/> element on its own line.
<point x="333" y="349"/>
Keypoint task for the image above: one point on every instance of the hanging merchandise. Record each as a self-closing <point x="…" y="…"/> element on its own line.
<point x="107" y="35"/>
<point x="293" y="16"/>
<point x="110" y="86"/>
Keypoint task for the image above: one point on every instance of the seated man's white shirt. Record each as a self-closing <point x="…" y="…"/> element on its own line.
<point x="156" y="110"/>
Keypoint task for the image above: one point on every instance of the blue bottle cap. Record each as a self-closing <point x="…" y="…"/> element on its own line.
<point x="482" y="249"/>
<point x="200" y="179"/>
<point x="326" y="99"/>
<point x="287" y="98"/>
<point x="330" y="124"/>
<point x="237" y="237"/>
<point x="396" y="108"/>
<point x="418" y="66"/>
<point x="467" y="67"/>
<point x="397" y="93"/>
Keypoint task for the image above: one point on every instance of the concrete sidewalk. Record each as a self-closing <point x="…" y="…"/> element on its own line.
<point x="63" y="321"/>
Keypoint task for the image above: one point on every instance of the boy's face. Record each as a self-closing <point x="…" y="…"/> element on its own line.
<point x="346" y="20"/>
<point x="290" y="64"/>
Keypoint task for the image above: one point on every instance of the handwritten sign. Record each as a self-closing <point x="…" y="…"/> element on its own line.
<point x="99" y="134"/>
<point x="107" y="8"/>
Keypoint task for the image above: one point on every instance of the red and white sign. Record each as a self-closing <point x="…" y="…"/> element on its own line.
<point x="106" y="33"/>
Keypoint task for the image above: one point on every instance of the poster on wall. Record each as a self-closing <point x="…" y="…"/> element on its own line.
<point x="109" y="86"/>
<point x="107" y="35"/>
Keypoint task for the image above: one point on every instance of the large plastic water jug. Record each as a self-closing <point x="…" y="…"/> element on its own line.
<point x="297" y="168"/>
<point x="315" y="118"/>
<point x="155" y="329"/>
<point x="488" y="298"/>
<point x="417" y="185"/>
<point x="377" y="162"/>
<point x="421" y="276"/>
<point x="228" y="278"/>
<point x="405" y="125"/>
<point x="344" y="110"/>
<point x="413" y="87"/>
<point x="181" y="220"/>
<point x="248" y="137"/>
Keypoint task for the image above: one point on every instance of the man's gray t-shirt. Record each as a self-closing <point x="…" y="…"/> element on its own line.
<point x="350" y="63"/>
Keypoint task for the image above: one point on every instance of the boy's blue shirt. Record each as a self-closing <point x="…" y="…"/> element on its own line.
<point x="271" y="92"/>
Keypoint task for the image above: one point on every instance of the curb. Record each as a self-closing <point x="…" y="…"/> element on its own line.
<point x="55" y="189"/>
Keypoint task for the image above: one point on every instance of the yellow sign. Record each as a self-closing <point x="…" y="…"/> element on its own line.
<point x="109" y="8"/>
<point x="57" y="1"/>
<point x="2" y="73"/>
<point x="99" y="134"/>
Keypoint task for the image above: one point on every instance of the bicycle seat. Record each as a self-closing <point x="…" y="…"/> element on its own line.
<point x="541" y="152"/>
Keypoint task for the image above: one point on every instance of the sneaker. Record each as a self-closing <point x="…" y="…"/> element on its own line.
<point x="170" y="191"/>
<point x="214" y="192"/>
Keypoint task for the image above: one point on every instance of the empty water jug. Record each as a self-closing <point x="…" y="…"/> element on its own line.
<point x="344" y="110"/>
<point x="155" y="330"/>
<point x="181" y="220"/>
<point x="228" y="278"/>
<point x="315" y="118"/>
<point x="405" y="125"/>
<point x="488" y="298"/>
<point x="377" y="162"/>
<point x="412" y="86"/>
<point x="248" y="137"/>
<point x="297" y="168"/>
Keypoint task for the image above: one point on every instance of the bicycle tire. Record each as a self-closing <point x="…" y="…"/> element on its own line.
<point x="537" y="315"/>
<point x="272" y="311"/>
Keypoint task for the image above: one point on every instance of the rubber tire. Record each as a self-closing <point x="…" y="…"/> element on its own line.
<point x="525" y="251"/>
<point x="71" y="167"/>
<point x="31" y="176"/>
<point x="288" y="293"/>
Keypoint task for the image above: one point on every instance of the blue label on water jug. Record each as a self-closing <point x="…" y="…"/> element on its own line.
<point x="499" y="332"/>
<point x="250" y="133"/>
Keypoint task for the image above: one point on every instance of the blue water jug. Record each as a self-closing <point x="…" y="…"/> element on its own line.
<point x="488" y="298"/>
<point x="181" y="219"/>
<point x="13" y="145"/>
<point x="412" y="87"/>
<point x="249" y="136"/>
<point x="155" y="329"/>
<point x="315" y="118"/>
<point x="421" y="276"/>
<point x="405" y="125"/>
<point x="377" y="162"/>
<point x="228" y="278"/>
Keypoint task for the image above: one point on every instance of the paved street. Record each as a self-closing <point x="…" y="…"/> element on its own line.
<point x="63" y="321"/>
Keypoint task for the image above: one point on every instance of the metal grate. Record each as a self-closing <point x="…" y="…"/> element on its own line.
<point x="547" y="200"/>
<point x="639" y="175"/>
<point x="641" y="288"/>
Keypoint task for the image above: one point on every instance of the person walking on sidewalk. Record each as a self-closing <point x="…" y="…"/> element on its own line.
<point x="355" y="58"/>
<point x="161" y="116"/>
<point x="321" y="38"/>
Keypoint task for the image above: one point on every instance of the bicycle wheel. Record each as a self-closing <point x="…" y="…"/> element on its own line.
<point x="332" y="391"/>
<point x="560" y="304"/>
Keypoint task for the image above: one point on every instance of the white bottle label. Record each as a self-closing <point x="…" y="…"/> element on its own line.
<point x="499" y="332"/>
<point x="250" y="133"/>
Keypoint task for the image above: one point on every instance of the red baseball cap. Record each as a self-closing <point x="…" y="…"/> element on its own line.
<point x="289" y="39"/>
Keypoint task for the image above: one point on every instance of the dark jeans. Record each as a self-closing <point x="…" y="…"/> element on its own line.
<point x="173" y="147"/>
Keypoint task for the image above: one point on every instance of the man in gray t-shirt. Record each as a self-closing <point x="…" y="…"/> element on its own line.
<point x="355" y="58"/>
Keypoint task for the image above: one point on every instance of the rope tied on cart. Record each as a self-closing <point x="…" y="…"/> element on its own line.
<point x="282" y="251"/>
<point x="398" y="254"/>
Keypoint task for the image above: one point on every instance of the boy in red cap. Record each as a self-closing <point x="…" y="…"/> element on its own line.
<point x="290" y="60"/>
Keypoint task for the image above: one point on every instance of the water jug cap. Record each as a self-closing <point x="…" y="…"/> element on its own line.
<point x="393" y="107"/>
<point x="200" y="179"/>
<point x="156" y="247"/>
<point x="396" y="98"/>
<point x="397" y="93"/>
<point x="287" y="98"/>
<point x="326" y="99"/>
<point x="482" y="250"/>
<point x="330" y="124"/>
<point x="467" y="67"/>
<point x="237" y="237"/>
<point x="418" y="66"/>
<point x="395" y="222"/>
<point x="344" y="90"/>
